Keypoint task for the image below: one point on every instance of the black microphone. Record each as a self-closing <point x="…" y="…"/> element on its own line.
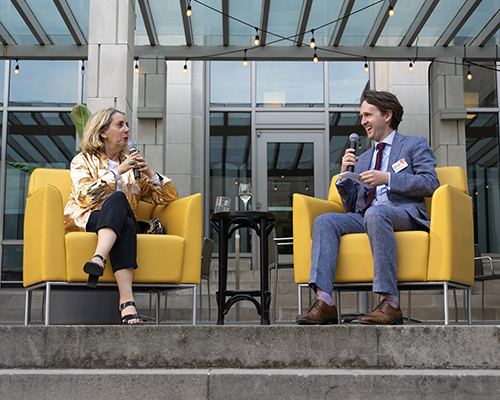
<point x="132" y="146"/>
<point x="353" y="137"/>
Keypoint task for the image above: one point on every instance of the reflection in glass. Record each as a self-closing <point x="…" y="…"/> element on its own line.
<point x="229" y="84"/>
<point x="289" y="84"/>
<point x="481" y="90"/>
<point x="483" y="178"/>
<point x="290" y="169"/>
<point x="230" y="163"/>
<point x="12" y="263"/>
<point x="44" y="83"/>
<point x="39" y="139"/>
<point x="341" y="127"/>
<point x="348" y="81"/>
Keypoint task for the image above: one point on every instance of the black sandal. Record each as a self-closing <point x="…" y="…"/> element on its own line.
<point x="94" y="270"/>
<point x="128" y="317"/>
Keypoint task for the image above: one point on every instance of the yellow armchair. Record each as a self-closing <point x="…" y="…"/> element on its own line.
<point x="165" y="261"/>
<point x="442" y="257"/>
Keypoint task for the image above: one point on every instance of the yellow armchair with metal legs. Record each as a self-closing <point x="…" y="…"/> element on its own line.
<point x="441" y="258"/>
<point x="51" y="257"/>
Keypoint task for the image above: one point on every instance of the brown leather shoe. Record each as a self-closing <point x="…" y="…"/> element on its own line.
<point x="319" y="314"/>
<point x="383" y="314"/>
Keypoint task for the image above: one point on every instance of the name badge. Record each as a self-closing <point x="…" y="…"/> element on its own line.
<point x="399" y="165"/>
<point x="134" y="188"/>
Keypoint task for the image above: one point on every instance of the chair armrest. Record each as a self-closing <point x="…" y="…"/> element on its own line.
<point x="305" y="211"/>
<point x="182" y="217"/>
<point x="44" y="257"/>
<point x="451" y="250"/>
<point x="491" y="261"/>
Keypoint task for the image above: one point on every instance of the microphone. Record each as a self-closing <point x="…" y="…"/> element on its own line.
<point x="132" y="146"/>
<point x="353" y="137"/>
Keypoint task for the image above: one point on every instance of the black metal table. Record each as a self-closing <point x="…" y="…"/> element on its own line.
<point x="226" y="223"/>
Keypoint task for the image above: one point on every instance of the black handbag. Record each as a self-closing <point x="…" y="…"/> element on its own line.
<point x="151" y="227"/>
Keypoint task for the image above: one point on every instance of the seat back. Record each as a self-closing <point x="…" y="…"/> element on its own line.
<point x="453" y="176"/>
<point x="59" y="178"/>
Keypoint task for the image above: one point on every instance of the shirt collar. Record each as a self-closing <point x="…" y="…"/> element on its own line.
<point x="388" y="140"/>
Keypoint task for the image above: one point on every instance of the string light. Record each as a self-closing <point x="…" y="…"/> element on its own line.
<point x="189" y="12"/>
<point x="82" y="70"/>
<point x="315" y="58"/>
<point x="307" y="187"/>
<point x="366" y="66"/>
<point x="245" y="61"/>
<point x="275" y="186"/>
<point x="136" y="65"/>
<point x="469" y="74"/>
<point x="185" y="69"/>
<point x="410" y="67"/>
<point x="256" y="41"/>
<point x="313" y="42"/>
<point x="391" y="11"/>
<point x="16" y="70"/>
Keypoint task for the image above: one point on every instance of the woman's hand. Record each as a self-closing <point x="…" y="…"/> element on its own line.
<point x="135" y="161"/>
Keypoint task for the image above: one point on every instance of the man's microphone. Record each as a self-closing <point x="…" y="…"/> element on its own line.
<point x="132" y="146"/>
<point x="353" y="137"/>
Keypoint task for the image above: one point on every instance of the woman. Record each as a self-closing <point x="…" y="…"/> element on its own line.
<point x="104" y="197"/>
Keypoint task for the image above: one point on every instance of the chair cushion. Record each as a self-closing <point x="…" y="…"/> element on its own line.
<point x="159" y="258"/>
<point x="355" y="261"/>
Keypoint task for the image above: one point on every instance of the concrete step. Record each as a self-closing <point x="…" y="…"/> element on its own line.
<point x="251" y="346"/>
<point x="223" y="384"/>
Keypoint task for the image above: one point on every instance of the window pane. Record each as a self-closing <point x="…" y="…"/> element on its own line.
<point x="348" y="81"/>
<point x="12" y="263"/>
<point x="483" y="178"/>
<point x="341" y="127"/>
<point x="289" y="84"/>
<point x="229" y="84"/>
<point x="39" y="139"/>
<point x="230" y="163"/>
<point x="480" y="91"/>
<point x="44" y="83"/>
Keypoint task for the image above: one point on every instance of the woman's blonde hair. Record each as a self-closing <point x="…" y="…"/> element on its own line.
<point x="98" y="123"/>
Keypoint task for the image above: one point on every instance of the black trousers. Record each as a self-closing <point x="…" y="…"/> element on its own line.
<point x="115" y="213"/>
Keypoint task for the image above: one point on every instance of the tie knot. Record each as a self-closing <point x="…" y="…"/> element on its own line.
<point x="380" y="146"/>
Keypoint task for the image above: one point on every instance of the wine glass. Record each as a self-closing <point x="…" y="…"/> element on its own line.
<point x="245" y="193"/>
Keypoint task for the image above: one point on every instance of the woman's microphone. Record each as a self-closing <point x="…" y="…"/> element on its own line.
<point x="132" y="146"/>
<point x="353" y="137"/>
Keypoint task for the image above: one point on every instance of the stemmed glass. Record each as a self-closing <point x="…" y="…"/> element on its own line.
<point x="245" y="193"/>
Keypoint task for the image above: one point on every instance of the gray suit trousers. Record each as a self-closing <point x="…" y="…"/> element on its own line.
<point x="379" y="223"/>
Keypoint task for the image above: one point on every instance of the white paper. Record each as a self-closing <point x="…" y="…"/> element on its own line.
<point x="355" y="177"/>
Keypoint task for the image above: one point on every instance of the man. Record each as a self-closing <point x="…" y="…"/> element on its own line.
<point x="404" y="176"/>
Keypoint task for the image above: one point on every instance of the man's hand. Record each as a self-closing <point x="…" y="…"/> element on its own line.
<point x="374" y="177"/>
<point x="348" y="160"/>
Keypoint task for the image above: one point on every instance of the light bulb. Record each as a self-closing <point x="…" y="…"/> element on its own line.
<point x="256" y="41"/>
<point x="469" y="75"/>
<point x="366" y="67"/>
<point x="410" y="67"/>
<point x="245" y="61"/>
<point x="391" y="11"/>
<point x="16" y="70"/>
<point x="83" y="70"/>
<point x="136" y="67"/>
<point x="188" y="11"/>
<point x="185" y="69"/>
<point x="315" y="58"/>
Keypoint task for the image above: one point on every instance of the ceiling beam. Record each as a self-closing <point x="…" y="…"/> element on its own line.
<point x="267" y="53"/>
<point x="186" y="21"/>
<point x="5" y="37"/>
<point x="460" y="19"/>
<point x="70" y="21"/>
<point x="341" y="23"/>
<point x="149" y="23"/>
<point x="29" y="18"/>
<point x="488" y="31"/>
<point x="379" y="24"/>
<point x="225" y="22"/>
<point x="419" y="22"/>
<point x="304" y="17"/>
<point x="264" y="21"/>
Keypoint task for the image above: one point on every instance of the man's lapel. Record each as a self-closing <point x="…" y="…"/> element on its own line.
<point x="397" y="146"/>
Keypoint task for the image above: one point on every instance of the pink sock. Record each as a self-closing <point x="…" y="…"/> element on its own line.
<point x="392" y="300"/>
<point x="322" y="295"/>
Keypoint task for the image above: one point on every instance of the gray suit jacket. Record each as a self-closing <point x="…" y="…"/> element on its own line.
<point x="409" y="187"/>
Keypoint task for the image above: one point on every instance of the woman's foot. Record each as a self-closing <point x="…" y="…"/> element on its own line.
<point x="95" y="266"/>
<point x="129" y="314"/>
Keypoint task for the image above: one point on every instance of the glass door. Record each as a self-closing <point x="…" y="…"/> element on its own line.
<point x="288" y="162"/>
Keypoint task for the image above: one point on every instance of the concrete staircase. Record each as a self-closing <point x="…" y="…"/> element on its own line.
<point x="250" y="362"/>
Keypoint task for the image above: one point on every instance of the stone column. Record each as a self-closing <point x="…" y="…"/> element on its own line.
<point x="448" y="113"/>
<point x="110" y="55"/>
